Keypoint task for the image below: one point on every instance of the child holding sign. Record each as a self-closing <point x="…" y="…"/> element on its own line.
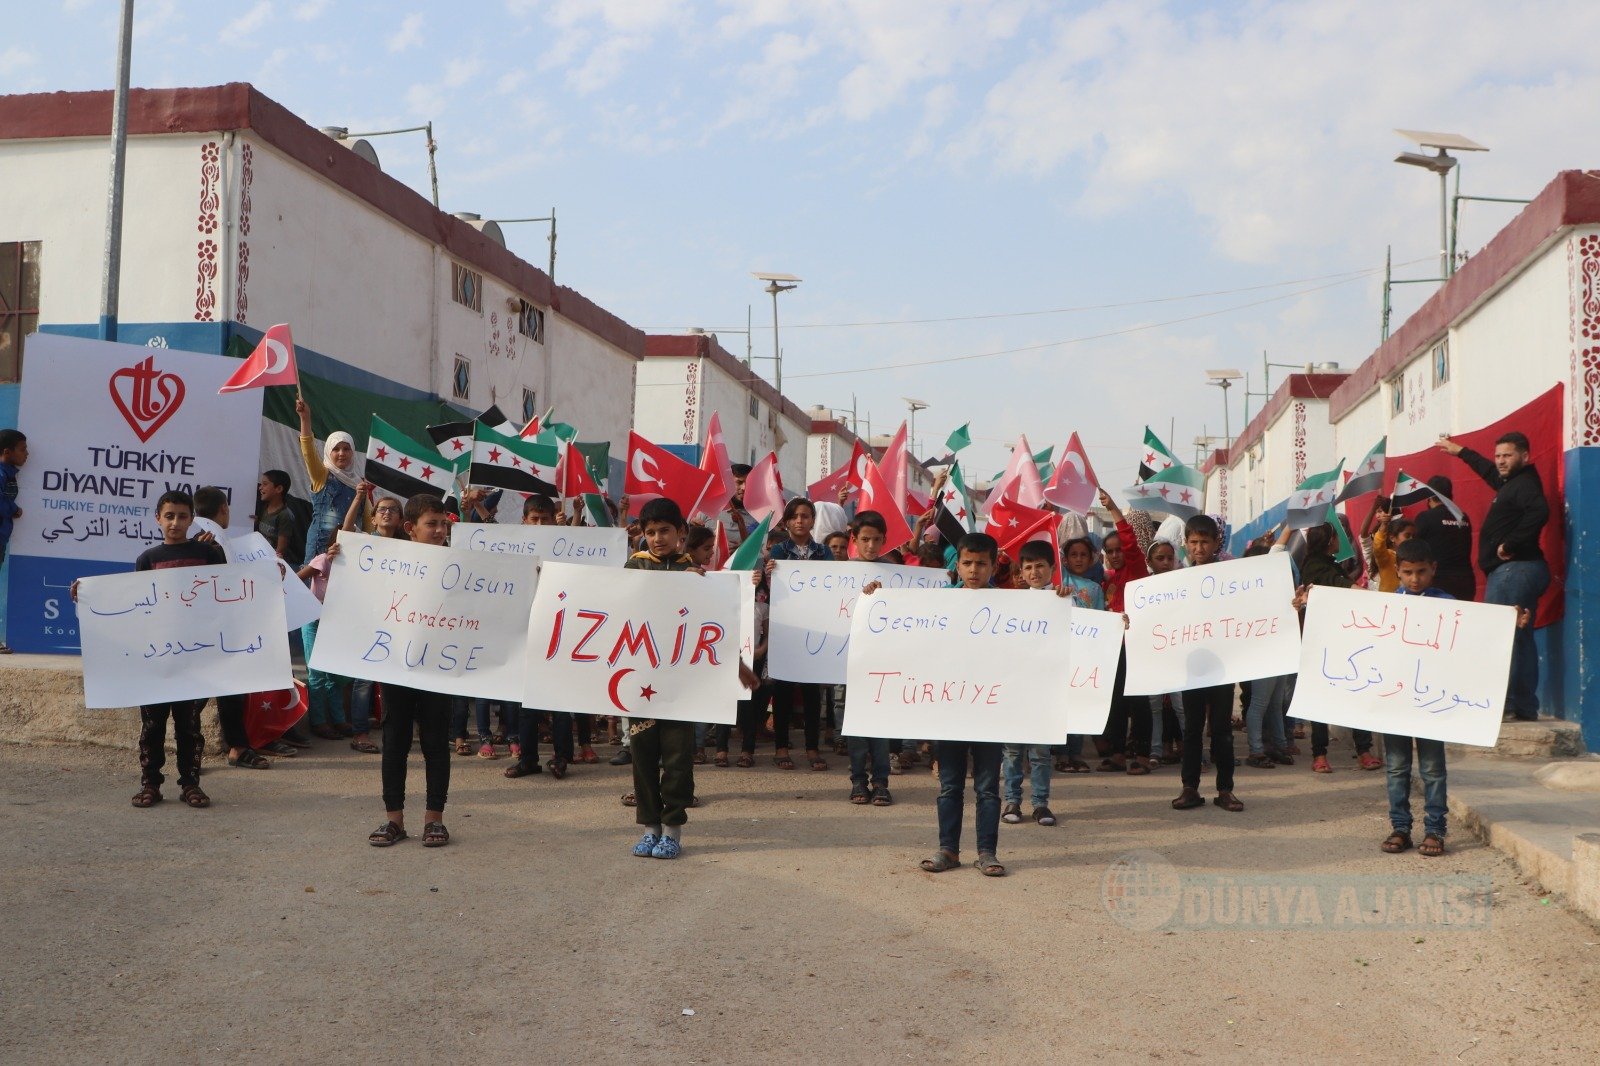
<point x="1202" y="539"/>
<point x="1415" y="566"/>
<point x="174" y="514"/>
<point x="663" y="751"/>
<point x="408" y="710"/>
<point x="976" y="555"/>
<point x="1037" y="563"/>
<point x="868" y="532"/>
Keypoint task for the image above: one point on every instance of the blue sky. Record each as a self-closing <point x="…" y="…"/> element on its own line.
<point x="930" y="159"/>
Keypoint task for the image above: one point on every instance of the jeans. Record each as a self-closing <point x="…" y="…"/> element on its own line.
<point x="1520" y="584"/>
<point x="1213" y="705"/>
<point x="1263" y="720"/>
<point x="361" y="705"/>
<point x="862" y="749"/>
<point x="1319" y="739"/>
<point x="429" y="712"/>
<point x="1430" y="761"/>
<point x="1038" y="773"/>
<point x="953" y="756"/>
<point x="324" y="692"/>
<point x="460" y="706"/>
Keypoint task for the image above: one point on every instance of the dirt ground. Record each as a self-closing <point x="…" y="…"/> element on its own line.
<point x="796" y="927"/>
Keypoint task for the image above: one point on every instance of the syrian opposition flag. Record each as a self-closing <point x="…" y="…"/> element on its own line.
<point x="763" y="488"/>
<point x="748" y="555"/>
<point x="655" y="473"/>
<point x="1309" y="503"/>
<point x="1156" y="457"/>
<point x="1042" y="463"/>
<point x="876" y="495"/>
<point x="1014" y="524"/>
<point x="1368" y="477"/>
<point x="402" y="466"/>
<point x="506" y="461"/>
<point x="1073" y="487"/>
<point x="596" y="511"/>
<point x="954" y="517"/>
<point x="1177" y="490"/>
<point x="1408" y="491"/>
<point x="959" y="439"/>
<point x="714" y="461"/>
<point x="272" y="363"/>
<point x="454" y="439"/>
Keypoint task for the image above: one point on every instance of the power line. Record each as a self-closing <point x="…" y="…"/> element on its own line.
<point x="1077" y="340"/>
<point x="1348" y="275"/>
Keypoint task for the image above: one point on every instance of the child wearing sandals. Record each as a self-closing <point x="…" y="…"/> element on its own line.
<point x="1036" y="564"/>
<point x="174" y="514"/>
<point x="408" y="710"/>
<point x="976" y="555"/>
<point x="1203" y="542"/>
<point x="1415" y="566"/>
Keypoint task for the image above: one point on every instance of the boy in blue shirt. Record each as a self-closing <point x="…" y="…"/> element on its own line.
<point x="1415" y="564"/>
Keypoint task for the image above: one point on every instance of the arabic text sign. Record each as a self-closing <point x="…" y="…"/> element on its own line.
<point x="809" y="630"/>
<point x="640" y="643"/>
<point x="1096" y="647"/>
<point x="958" y="664"/>
<point x="1212" y="625"/>
<point x="440" y="619"/>
<point x="299" y="605"/>
<point x="185" y="633"/>
<point x="584" y="545"/>
<point x="1415" y="666"/>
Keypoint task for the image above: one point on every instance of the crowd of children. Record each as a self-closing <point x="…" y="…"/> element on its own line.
<point x="1142" y="733"/>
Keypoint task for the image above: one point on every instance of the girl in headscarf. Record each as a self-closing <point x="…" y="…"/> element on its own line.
<point x="334" y="476"/>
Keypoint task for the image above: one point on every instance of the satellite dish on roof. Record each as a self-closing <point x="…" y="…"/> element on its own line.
<point x="363" y="148"/>
<point x="486" y="226"/>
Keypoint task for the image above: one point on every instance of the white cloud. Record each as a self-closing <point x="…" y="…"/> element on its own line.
<point x="240" y="30"/>
<point x="409" y="33"/>
<point x="310" y="10"/>
<point x="14" y="59"/>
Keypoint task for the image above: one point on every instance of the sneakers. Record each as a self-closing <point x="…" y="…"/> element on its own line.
<point x="1012" y="814"/>
<point x="647" y="845"/>
<point x="622" y="758"/>
<point x="666" y="848"/>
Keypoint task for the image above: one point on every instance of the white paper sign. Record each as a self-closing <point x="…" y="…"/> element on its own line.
<point x="809" y="628"/>
<point x="640" y="643"/>
<point x="584" y="545"/>
<point x="184" y="633"/>
<point x="1211" y="625"/>
<point x="299" y="605"/>
<point x="959" y="664"/>
<point x="1414" y="666"/>
<point x="1096" y="647"/>
<point x="439" y="619"/>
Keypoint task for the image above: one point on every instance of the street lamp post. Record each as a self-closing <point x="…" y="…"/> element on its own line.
<point x="914" y="406"/>
<point x="775" y="285"/>
<point x="1441" y="163"/>
<point x="111" y="278"/>
<point x="1224" y="379"/>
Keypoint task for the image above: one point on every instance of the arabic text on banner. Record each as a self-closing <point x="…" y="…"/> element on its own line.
<point x="435" y="618"/>
<point x="1415" y="666"/>
<point x="640" y="643"/>
<point x="812" y="604"/>
<point x="959" y="664"/>
<point x="1212" y="625"/>
<point x="184" y="633"/>
<point x="584" y="545"/>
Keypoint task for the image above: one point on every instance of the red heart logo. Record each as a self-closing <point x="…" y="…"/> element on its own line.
<point x="147" y="397"/>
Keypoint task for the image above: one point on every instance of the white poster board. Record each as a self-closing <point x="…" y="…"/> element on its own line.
<point x="959" y="664"/>
<point x="640" y="643"/>
<point x="110" y="428"/>
<point x="1096" y="647"/>
<point x="1211" y="625"/>
<point x="1414" y="666"/>
<point x="583" y="545"/>
<point x="812" y="604"/>
<point x="434" y="618"/>
<point x="184" y="633"/>
<point x="299" y="605"/>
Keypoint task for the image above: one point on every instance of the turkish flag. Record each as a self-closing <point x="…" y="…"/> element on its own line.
<point x="1020" y="480"/>
<point x="1073" y="487"/>
<point x="1013" y="524"/>
<point x="876" y="495"/>
<point x="763" y="489"/>
<point x="268" y="715"/>
<point x="572" y="474"/>
<point x="714" y="461"/>
<point x="720" y="552"/>
<point x="894" y="463"/>
<point x="655" y="473"/>
<point x="272" y="363"/>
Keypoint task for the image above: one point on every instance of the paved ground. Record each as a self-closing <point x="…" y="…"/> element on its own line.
<point x="795" y="926"/>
